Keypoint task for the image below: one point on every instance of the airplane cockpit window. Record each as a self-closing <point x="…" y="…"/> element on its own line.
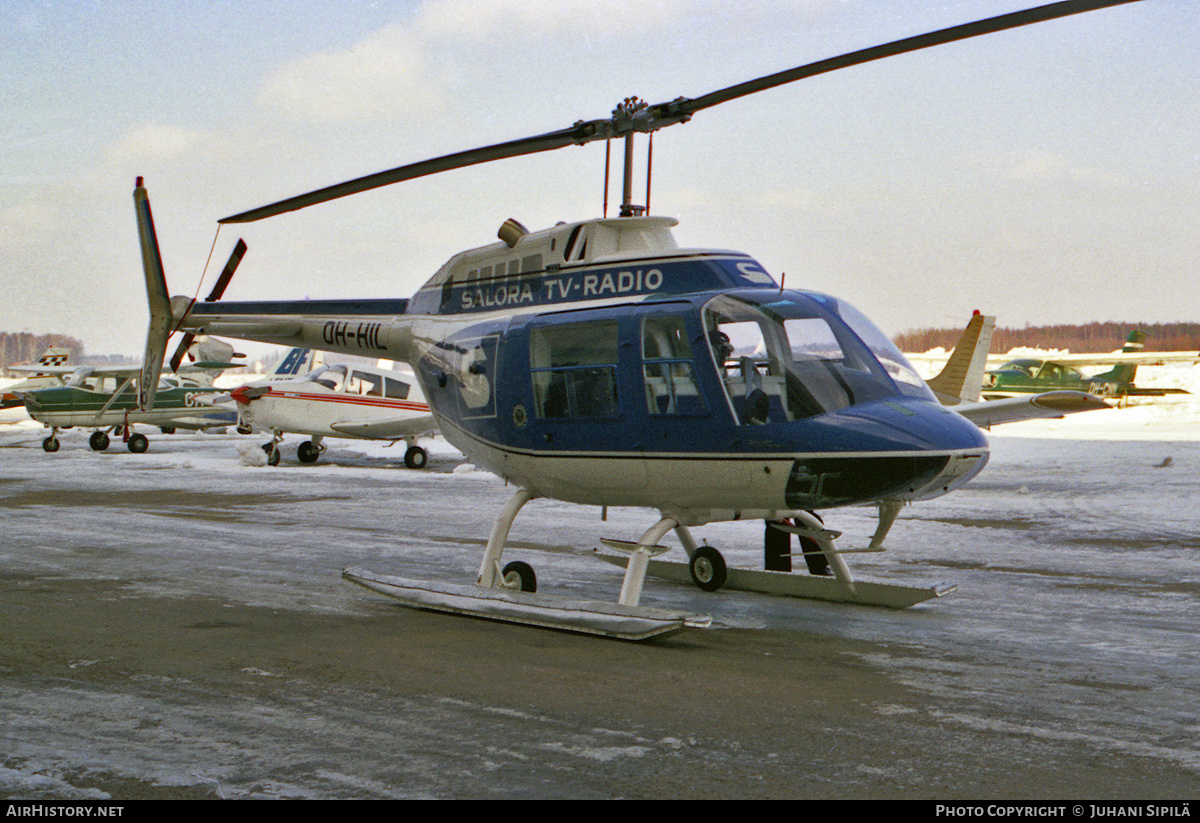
<point x="667" y="364"/>
<point x="788" y="358"/>
<point x="331" y="377"/>
<point x="574" y="369"/>
<point x="1025" y="367"/>
<point x="82" y="379"/>
<point x="396" y="389"/>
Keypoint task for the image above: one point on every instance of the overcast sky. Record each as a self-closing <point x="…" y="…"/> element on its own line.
<point x="1044" y="175"/>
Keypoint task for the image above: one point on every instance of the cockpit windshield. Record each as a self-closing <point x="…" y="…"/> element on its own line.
<point x="790" y="356"/>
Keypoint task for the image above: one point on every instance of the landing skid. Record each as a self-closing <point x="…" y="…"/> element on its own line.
<point x="530" y="608"/>
<point x="865" y="592"/>
<point x="509" y="593"/>
<point x="706" y="567"/>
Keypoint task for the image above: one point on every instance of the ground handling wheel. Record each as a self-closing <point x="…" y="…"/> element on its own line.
<point x="708" y="568"/>
<point x="519" y="575"/>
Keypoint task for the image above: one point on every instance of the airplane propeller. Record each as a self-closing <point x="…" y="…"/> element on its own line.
<point x="633" y="115"/>
<point x="239" y="251"/>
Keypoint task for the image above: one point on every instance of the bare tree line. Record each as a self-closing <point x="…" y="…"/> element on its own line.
<point x="1089" y="337"/>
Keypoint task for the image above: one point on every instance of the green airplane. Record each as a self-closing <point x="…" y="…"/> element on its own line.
<point x="105" y="398"/>
<point x="1028" y="375"/>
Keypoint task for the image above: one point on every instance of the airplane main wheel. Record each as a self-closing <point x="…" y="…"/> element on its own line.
<point x="138" y="443"/>
<point x="50" y="444"/>
<point x="307" y="452"/>
<point x="416" y="457"/>
<point x="518" y="575"/>
<point x="98" y="441"/>
<point x="708" y="569"/>
<point x="272" y="454"/>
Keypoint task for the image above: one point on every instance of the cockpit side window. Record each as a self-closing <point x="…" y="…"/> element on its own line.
<point x="331" y="377"/>
<point x="574" y="369"/>
<point x="667" y="366"/>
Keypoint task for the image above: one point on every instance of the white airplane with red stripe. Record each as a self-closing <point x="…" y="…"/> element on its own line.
<point x="355" y="401"/>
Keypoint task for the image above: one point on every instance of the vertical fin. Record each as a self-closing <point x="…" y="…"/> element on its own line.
<point x="156" y="294"/>
<point x="961" y="379"/>
<point x="1124" y="374"/>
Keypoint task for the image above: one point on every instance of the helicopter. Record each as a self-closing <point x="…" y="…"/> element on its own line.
<point x="598" y="363"/>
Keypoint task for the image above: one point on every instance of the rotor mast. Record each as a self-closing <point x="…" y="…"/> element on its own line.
<point x="623" y="116"/>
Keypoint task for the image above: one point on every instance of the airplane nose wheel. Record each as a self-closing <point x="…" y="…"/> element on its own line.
<point x="518" y="575"/>
<point x="708" y="568"/>
<point x="98" y="441"/>
<point x="50" y="444"/>
<point x="272" y="453"/>
<point x="308" y="452"/>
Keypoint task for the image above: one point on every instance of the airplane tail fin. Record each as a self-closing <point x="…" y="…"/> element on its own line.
<point x="54" y="356"/>
<point x="296" y="363"/>
<point x="1125" y="373"/>
<point x="156" y="293"/>
<point x="962" y="377"/>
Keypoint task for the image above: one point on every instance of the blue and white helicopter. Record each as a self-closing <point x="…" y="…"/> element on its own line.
<point x="599" y="363"/>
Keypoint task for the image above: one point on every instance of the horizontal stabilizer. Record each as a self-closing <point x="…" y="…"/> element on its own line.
<point x="1053" y="404"/>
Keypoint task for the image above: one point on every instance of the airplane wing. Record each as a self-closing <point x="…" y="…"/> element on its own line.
<point x="988" y="413"/>
<point x="1145" y="358"/>
<point x="90" y="371"/>
<point x="391" y="429"/>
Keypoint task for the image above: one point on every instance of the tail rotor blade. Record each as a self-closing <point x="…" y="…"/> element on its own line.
<point x="239" y="251"/>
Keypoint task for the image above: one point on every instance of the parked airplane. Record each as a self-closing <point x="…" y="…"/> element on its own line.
<point x="1028" y="375"/>
<point x="957" y="385"/>
<point x="598" y="363"/>
<point x="339" y="401"/>
<point x="103" y="398"/>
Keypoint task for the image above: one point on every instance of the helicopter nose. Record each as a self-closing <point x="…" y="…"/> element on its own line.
<point x="918" y="424"/>
<point x="925" y="426"/>
<point x="902" y="449"/>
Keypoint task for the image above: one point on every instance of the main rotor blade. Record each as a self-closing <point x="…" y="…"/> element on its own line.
<point x="659" y="116"/>
<point x="577" y="134"/>
<point x="964" y="31"/>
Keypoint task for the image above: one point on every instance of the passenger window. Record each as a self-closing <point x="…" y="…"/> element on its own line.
<point x="667" y="367"/>
<point x="396" y="389"/>
<point x="368" y="384"/>
<point x="574" y="369"/>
